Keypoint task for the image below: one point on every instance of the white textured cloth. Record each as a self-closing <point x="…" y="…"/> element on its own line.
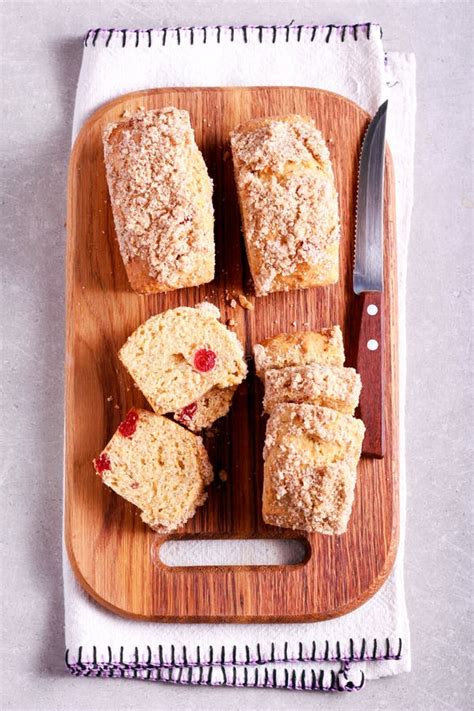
<point x="373" y="640"/>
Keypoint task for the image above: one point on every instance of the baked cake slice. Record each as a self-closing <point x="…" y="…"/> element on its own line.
<point x="158" y="466"/>
<point x="207" y="409"/>
<point x="310" y="468"/>
<point x="288" y="203"/>
<point x="303" y="348"/>
<point x="326" y="385"/>
<point x="180" y="355"/>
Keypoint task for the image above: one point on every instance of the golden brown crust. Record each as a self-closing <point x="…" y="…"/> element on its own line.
<point x="327" y="510"/>
<point x="161" y="198"/>
<point x="292" y="349"/>
<point x="288" y="203"/>
<point x="139" y="277"/>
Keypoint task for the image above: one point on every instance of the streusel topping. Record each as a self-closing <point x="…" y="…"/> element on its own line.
<point x="286" y="186"/>
<point x="327" y="385"/>
<point x="311" y="455"/>
<point x="161" y="193"/>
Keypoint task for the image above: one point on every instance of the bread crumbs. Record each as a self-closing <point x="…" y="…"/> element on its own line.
<point x="245" y="303"/>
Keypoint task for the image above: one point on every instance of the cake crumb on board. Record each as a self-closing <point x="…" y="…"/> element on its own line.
<point x="245" y="303"/>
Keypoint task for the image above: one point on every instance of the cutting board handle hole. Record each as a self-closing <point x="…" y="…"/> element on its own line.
<point x="230" y="552"/>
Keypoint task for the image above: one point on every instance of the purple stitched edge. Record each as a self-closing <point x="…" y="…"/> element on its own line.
<point x="243" y="28"/>
<point x="152" y="667"/>
<point x="253" y="662"/>
<point x="157" y="660"/>
<point x="134" y="671"/>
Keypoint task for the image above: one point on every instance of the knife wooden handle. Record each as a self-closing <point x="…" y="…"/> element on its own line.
<point x="369" y="364"/>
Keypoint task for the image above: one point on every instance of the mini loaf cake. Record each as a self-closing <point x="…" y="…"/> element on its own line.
<point x="158" y="466"/>
<point x="288" y="203"/>
<point x="311" y="455"/>
<point x="326" y="385"/>
<point x="161" y="198"/>
<point x="290" y="349"/>
<point x="180" y="355"/>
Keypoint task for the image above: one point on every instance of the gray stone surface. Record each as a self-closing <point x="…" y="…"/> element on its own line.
<point x="41" y="53"/>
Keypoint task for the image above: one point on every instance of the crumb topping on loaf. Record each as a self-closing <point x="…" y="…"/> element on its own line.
<point x="311" y="456"/>
<point x="340" y="434"/>
<point x="161" y="196"/>
<point x="316" y="498"/>
<point x="319" y="384"/>
<point x="289" y="202"/>
<point x="290" y="349"/>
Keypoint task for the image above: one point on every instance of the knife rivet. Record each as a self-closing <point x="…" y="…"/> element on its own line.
<point x="372" y="345"/>
<point x="372" y="310"/>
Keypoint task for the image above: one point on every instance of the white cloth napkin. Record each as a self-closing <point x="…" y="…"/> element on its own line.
<point x="373" y="640"/>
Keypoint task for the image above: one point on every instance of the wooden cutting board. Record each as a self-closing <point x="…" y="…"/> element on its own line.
<point x="113" y="554"/>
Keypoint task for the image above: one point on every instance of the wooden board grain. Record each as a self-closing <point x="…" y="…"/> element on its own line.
<point x="113" y="554"/>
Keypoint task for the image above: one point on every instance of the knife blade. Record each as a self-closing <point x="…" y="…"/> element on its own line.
<point x="368" y="282"/>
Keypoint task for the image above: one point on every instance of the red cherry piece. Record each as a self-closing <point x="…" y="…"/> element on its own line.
<point x="102" y="463"/>
<point x="129" y="425"/>
<point x="187" y="413"/>
<point x="204" y="360"/>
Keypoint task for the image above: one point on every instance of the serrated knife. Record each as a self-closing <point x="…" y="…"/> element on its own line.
<point x="368" y="282"/>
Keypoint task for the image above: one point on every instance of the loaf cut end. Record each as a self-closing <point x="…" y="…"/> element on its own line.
<point x="206" y="410"/>
<point x="302" y="348"/>
<point x="326" y="385"/>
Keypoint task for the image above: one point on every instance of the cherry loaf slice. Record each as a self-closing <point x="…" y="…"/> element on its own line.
<point x="326" y="385"/>
<point x="161" y="197"/>
<point x="288" y="203"/>
<point x="207" y="409"/>
<point x="158" y="466"/>
<point x="182" y="360"/>
<point x="301" y="348"/>
<point x="310" y="468"/>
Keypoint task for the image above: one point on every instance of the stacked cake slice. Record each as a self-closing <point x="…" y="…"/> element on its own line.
<point x="313" y="443"/>
<point x="187" y="364"/>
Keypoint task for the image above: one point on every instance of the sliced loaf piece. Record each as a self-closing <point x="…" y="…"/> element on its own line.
<point x="311" y="455"/>
<point x="180" y="355"/>
<point x="288" y="349"/>
<point x="326" y="385"/>
<point x="158" y="466"/>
